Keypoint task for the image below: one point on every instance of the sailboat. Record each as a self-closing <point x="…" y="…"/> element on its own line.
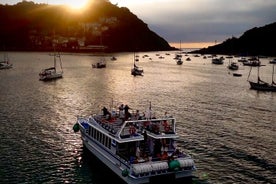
<point x="52" y="72"/>
<point x="261" y="85"/>
<point x="178" y="57"/>
<point x="232" y="65"/>
<point x="102" y="62"/>
<point x="5" y="63"/>
<point x="179" y="61"/>
<point x="136" y="70"/>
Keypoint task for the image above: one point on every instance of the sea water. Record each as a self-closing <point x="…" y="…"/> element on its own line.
<point x="225" y="126"/>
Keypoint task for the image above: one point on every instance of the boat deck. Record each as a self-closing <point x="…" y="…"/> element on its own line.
<point x="133" y="127"/>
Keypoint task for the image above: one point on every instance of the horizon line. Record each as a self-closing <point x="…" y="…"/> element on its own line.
<point x="192" y="45"/>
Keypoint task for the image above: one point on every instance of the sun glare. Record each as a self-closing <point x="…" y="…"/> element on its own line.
<point x="77" y="4"/>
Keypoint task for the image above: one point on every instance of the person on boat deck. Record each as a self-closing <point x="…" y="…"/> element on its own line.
<point x="137" y="115"/>
<point x="127" y="114"/>
<point x="166" y="115"/>
<point x="106" y="113"/>
<point x="164" y="156"/>
<point x="121" y="111"/>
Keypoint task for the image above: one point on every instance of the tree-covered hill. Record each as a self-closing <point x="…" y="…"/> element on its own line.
<point x="31" y="26"/>
<point x="256" y="41"/>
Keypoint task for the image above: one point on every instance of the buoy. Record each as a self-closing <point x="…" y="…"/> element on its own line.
<point x="125" y="173"/>
<point x="76" y="127"/>
<point x="174" y="165"/>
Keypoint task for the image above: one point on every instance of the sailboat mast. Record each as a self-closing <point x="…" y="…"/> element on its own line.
<point x="272" y="82"/>
<point x="249" y="73"/>
<point x="54" y="45"/>
<point x="258" y="74"/>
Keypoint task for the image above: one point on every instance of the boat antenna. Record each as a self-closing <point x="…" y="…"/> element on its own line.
<point x="60" y="61"/>
<point x="272" y="82"/>
<point x="111" y="106"/>
<point x="258" y="74"/>
<point x="148" y="111"/>
<point x="54" y="45"/>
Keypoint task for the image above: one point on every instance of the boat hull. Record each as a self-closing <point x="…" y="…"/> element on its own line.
<point x="51" y="77"/>
<point x="110" y="161"/>
<point x="237" y="74"/>
<point x="137" y="72"/>
<point x="262" y="87"/>
<point x="117" y="169"/>
<point x="117" y="165"/>
<point x="5" y="66"/>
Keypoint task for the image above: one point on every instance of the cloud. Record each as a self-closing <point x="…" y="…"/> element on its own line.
<point x="203" y="20"/>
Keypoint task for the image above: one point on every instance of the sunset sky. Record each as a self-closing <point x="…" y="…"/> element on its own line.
<point x="196" y="23"/>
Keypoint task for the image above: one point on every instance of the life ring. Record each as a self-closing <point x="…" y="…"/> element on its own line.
<point x="132" y="130"/>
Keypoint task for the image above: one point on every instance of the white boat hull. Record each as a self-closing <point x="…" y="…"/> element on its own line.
<point x="50" y="77"/>
<point x="112" y="163"/>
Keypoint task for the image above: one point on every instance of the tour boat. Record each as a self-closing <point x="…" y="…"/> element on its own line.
<point x="138" y="148"/>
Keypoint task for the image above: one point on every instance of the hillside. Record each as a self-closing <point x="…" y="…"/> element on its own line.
<point x="37" y="27"/>
<point x="256" y="41"/>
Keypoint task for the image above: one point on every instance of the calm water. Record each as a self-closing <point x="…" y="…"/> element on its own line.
<point x="229" y="129"/>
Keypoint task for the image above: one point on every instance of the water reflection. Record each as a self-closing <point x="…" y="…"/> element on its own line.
<point x="225" y="126"/>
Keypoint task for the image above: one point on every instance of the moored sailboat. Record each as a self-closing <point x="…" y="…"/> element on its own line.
<point x="261" y="85"/>
<point x="5" y="63"/>
<point x="100" y="64"/>
<point x="233" y="66"/>
<point x="136" y="70"/>
<point x="178" y="56"/>
<point x="52" y="73"/>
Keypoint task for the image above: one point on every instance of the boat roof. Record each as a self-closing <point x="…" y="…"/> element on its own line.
<point x="134" y="130"/>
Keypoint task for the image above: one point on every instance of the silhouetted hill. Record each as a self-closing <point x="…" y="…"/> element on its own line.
<point x="30" y="26"/>
<point x="256" y="41"/>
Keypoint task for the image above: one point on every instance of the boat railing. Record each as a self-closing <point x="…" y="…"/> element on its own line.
<point x="155" y="127"/>
<point x="136" y="125"/>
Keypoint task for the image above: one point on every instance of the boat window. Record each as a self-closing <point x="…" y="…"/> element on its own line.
<point x="98" y="135"/>
<point x="105" y="141"/>
<point x="94" y="133"/>
<point x="109" y="143"/>
<point x="89" y="130"/>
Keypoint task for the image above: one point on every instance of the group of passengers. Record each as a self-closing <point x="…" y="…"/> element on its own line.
<point x="124" y="113"/>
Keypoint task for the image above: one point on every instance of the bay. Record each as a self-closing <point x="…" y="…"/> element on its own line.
<point x="228" y="128"/>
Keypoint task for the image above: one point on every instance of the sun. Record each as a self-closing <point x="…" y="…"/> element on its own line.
<point x="77" y="4"/>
